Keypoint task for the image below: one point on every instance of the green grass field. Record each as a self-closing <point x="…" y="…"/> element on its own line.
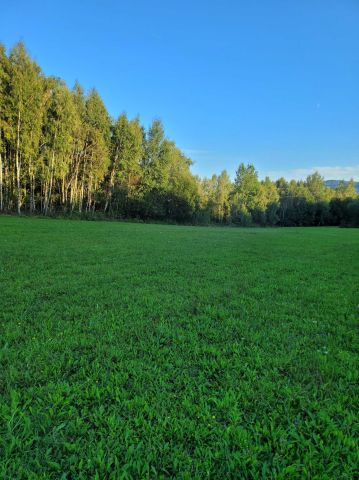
<point x="153" y="351"/>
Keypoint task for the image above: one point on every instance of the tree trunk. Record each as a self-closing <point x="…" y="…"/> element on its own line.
<point x="18" y="166"/>
<point x="32" y="190"/>
<point x="82" y="191"/>
<point x="1" y="188"/>
<point x="48" y="201"/>
<point x="111" y="184"/>
<point x="63" y="198"/>
<point x="6" y="184"/>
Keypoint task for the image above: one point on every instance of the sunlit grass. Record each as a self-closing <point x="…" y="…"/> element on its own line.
<point x="152" y="351"/>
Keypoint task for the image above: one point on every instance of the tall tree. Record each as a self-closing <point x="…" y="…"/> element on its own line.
<point x="346" y="190"/>
<point x="26" y="94"/>
<point x="94" y="154"/>
<point x="5" y="129"/>
<point x="155" y="156"/>
<point x="219" y="189"/>
<point x="60" y="149"/>
<point x="126" y="153"/>
<point x="268" y="202"/>
<point x="316" y="187"/>
<point x="245" y="197"/>
<point x="58" y="140"/>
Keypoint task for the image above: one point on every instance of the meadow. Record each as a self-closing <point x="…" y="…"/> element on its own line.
<point x="139" y="351"/>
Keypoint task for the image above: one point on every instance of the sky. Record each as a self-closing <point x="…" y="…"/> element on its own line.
<point x="269" y="82"/>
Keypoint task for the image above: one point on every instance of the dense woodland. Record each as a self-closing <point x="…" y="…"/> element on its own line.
<point x="61" y="153"/>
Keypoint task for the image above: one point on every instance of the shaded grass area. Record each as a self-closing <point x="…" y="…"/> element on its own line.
<point x="153" y="351"/>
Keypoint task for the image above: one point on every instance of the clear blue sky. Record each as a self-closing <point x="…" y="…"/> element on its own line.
<point x="272" y="82"/>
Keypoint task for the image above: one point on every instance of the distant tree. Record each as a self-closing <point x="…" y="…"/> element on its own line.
<point x="316" y="187"/>
<point x="155" y="149"/>
<point x="222" y="197"/>
<point x="182" y="192"/>
<point x="268" y="207"/>
<point x="126" y="153"/>
<point x="96" y="148"/>
<point x="345" y="190"/>
<point x="352" y="217"/>
<point x="282" y="186"/>
<point x="59" y="149"/>
<point x="245" y="196"/>
<point x="217" y="191"/>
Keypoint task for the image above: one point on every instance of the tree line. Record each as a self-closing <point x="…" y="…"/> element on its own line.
<point x="62" y="153"/>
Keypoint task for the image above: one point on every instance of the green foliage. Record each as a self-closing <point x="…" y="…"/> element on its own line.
<point x="246" y="191"/>
<point x="61" y="153"/>
<point x="152" y="351"/>
<point x="316" y="188"/>
<point x="216" y="193"/>
<point x="345" y="190"/>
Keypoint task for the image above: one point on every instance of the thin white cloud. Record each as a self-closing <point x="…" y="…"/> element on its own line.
<point x="192" y="152"/>
<point x="329" y="173"/>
